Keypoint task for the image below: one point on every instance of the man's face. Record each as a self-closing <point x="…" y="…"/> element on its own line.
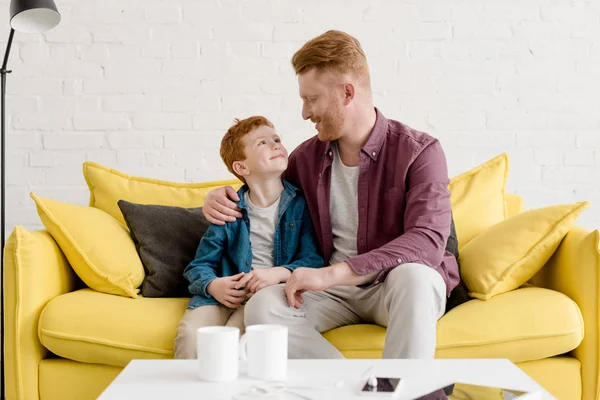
<point x="322" y="103"/>
<point x="265" y="154"/>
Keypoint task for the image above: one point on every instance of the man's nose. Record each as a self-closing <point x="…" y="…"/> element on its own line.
<point x="305" y="113"/>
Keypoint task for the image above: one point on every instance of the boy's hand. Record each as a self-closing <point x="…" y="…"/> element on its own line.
<point x="225" y="292"/>
<point x="218" y="206"/>
<point x="261" y="278"/>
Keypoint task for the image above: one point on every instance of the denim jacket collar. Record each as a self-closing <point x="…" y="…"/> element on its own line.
<point x="289" y="192"/>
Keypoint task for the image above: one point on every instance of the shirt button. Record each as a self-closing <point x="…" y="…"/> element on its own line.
<point x="374" y="154"/>
<point x="320" y="175"/>
<point x="330" y="154"/>
<point x="399" y="261"/>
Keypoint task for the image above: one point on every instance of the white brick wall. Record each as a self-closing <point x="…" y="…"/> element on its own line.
<point x="149" y="87"/>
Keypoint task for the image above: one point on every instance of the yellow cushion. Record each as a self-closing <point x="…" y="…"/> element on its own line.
<point x="514" y="204"/>
<point x="508" y="254"/>
<point x="98" y="248"/>
<point x="522" y="325"/>
<point x="478" y="198"/>
<point x="108" y="186"/>
<point x="94" y="327"/>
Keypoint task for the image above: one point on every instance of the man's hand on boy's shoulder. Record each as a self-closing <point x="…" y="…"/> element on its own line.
<point x="220" y="207"/>
<point x="225" y="292"/>
<point x="261" y="278"/>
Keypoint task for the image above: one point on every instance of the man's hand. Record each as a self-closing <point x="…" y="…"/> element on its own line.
<point x="224" y="291"/>
<point x="218" y="206"/>
<point x="304" y="279"/>
<point x="261" y="278"/>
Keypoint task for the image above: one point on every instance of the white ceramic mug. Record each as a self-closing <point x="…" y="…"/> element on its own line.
<point x="217" y="352"/>
<point x="265" y="349"/>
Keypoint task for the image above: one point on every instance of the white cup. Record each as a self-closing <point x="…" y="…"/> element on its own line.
<point x="217" y="352"/>
<point x="265" y="348"/>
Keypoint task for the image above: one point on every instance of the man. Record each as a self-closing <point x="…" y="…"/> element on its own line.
<point x="378" y="196"/>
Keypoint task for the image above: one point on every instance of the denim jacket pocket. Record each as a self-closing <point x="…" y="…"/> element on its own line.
<point x="291" y="238"/>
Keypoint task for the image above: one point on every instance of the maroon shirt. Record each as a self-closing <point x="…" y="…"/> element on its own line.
<point x="404" y="212"/>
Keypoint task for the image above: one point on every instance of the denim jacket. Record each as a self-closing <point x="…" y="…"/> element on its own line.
<point x="225" y="249"/>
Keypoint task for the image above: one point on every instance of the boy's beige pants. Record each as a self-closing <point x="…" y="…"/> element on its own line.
<point x="185" y="342"/>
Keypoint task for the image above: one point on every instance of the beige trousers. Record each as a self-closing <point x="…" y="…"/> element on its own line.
<point x="213" y="315"/>
<point x="409" y="302"/>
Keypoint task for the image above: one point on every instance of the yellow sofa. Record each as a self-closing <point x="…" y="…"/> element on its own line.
<point x="66" y="341"/>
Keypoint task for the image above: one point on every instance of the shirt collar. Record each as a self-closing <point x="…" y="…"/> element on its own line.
<point x="375" y="141"/>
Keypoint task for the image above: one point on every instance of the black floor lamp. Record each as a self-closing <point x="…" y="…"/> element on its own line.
<point x="27" y="16"/>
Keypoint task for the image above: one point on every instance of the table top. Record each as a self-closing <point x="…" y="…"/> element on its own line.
<point x="177" y="379"/>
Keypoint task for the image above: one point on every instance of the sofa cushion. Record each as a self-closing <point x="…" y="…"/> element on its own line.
<point x="478" y="198"/>
<point x="522" y="325"/>
<point x="511" y="252"/>
<point x="98" y="248"/>
<point x="166" y="239"/>
<point x="108" y="186"/>
<point x="94" y="327"/>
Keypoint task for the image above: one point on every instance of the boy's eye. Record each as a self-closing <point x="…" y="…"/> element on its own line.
<point x="262" y="142"/>
<point x="277" y="140"/>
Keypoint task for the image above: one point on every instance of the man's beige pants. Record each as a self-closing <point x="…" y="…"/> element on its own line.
<point x="185" y="342"/>
<point x="409" y="302"/>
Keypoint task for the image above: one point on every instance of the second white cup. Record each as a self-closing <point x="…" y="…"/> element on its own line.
<point x="265" y="349"/>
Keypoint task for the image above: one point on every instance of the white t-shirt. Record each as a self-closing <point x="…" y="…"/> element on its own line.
<point x="262" y="231"/>
<point x="343" y="207"/>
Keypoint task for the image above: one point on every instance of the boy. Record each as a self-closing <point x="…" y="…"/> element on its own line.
<point x="274" y="236"/>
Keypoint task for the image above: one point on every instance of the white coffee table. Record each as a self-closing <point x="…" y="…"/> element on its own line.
<point x="176" y="379"/>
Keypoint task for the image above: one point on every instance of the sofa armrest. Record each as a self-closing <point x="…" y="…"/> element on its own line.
<point x="574" y="270"/>
<point x="35" y="271"/>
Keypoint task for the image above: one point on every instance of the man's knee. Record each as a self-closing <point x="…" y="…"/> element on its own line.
<point x="414" y="280"/>
<point x="263" y="305"/>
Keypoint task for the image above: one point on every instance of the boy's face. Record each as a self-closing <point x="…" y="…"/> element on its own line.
<point x="265" y="155"/>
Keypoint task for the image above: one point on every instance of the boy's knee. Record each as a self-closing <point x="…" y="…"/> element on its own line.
<point x="185" y="342"/>
<point x="262" y="306"/>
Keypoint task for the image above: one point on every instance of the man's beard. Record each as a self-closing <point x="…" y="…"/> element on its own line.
<point x="331" y="125"/>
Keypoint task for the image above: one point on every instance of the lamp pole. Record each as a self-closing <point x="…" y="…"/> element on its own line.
<point x="3" y="72"/>
<point x="27" y="16"/>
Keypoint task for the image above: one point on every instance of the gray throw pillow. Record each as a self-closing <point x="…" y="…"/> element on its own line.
<point x="166" y="239"/>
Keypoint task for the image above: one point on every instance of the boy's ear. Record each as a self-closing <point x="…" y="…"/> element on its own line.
<point x="241" y="168"/>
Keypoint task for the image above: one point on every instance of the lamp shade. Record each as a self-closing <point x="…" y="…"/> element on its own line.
<point x="33" y="16"/>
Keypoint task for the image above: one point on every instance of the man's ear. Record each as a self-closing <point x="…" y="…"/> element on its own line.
<point x="241" y="168"/>
<point x="349" y="92"/>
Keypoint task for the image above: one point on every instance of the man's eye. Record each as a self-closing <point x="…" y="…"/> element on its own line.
<point x="262" y="142"/>
<point x="277" y="140"/>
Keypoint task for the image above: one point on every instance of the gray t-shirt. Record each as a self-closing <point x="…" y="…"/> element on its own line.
<point x="343" y="207"/>
<point x="262" y="231"/>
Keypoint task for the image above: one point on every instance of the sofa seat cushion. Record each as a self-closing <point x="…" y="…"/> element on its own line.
<point x="522" y="325"/>
<point x="94" y="327"/>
